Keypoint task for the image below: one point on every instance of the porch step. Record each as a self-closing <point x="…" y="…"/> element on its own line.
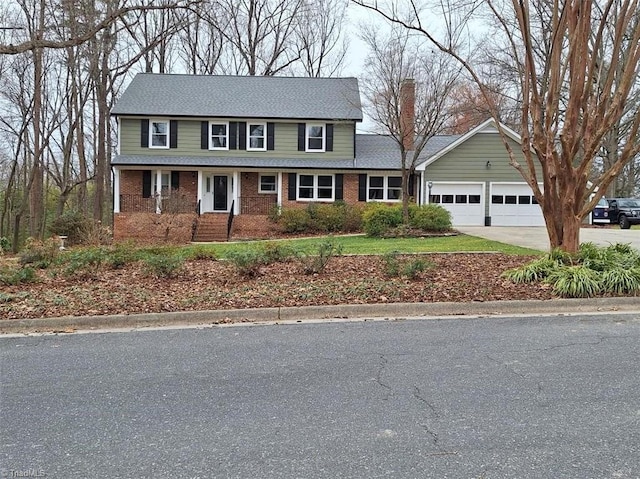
<point x="211" y="228"/>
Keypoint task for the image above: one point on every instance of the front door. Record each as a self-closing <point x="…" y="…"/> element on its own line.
<point x="220" y="193"/>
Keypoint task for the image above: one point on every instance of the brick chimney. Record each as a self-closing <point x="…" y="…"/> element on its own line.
<point x="407" y="112"/>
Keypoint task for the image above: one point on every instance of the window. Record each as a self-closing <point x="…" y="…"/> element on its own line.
<point x="267" y="184"/>
<point x="158" y="134"/>
<point x="497" y="199"/>
<point x="315" y="137"/>
<point x="435" y="199"/>
<point x="510" y="200"/>
<point x="164" y="186"/>
<point x="474" y="199"/>
<point x="448" y="199"/>
<point x="315" y="187"/>
<point x="219" y="136"/>
<point x="385" y="188"/>
<point x="524" y="200"/>
<point x="256" y="133"/>
<point x="461" y="199"/>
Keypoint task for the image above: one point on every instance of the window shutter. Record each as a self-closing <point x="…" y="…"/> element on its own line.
<point x="270" y="136"/>
<point x="329" y="139"/>
<point x="204" y="135"/>
<point x="146" y="184"/>
<point x="242" y="135"/>
<point x="362" y="187"/>
<point x="292" y="186"/>
<point x="302" y="130"/>
<point x="339" y="190"/>
<point x="144" y="133"/>
<point x="412" y="184"/>
<point x="173" y="134"/>
<point x="175" y="180"/>
<point x="233" y="135"/>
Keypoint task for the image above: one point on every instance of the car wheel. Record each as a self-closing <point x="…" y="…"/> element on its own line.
<point x="624" y="222"/>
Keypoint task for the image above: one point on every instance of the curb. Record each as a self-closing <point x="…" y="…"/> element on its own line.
<point x="69" y="324"/>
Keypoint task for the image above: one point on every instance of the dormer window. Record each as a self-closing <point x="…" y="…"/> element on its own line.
<point x="158" y="134"/>
<point x="315" y="139"/>
<point x="219" y="138"/>
<point x="256" y="136"/>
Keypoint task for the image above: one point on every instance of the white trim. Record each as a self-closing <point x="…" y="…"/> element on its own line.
<point x="116" y="189"/>
<point x="315" y="187"/>
<point x="266" y="192"/>
<point x="308" y="126"/>
<point x="264" y="136"/>
<point x="159" y="147"/>
<point x="200" y="190"/>
<point x="482" y="128"/>
<point x="235" y="189"/>
<point x="209" y="135"/>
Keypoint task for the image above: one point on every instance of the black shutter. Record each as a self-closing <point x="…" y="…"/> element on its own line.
<point x="204" y="135"/>
<point x="270" y="136"/>
<point x="173" y="134"/>
<point x="412" y="184"/>
<point x="339" y="182"/>
<point x="233" y="135"/>
<point x="175" y="180"/>
<point x="242" y="135"/>
<point x="362" y="187"/>
<point x="146" y="184"/>
<point x="302" y="130"/>
<point x="292" y="187"/>
<point x="329" y="142"/>
<point x="144" y="133"/>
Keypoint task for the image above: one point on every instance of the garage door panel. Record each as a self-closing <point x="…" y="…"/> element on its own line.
<point x="463" y="201"/>
<point x="514" y="205"/>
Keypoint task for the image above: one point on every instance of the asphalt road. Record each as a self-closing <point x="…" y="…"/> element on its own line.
<point x="554" y="397"/>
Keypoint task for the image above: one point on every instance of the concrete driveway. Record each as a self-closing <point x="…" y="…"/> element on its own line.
<point x="536" y="236"/>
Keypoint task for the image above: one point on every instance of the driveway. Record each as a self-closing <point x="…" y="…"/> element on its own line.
<point x="535" y="237"/>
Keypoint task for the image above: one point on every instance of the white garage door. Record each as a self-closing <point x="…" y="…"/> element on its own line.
<point x="513" y="204"/>
<point x="463" y="200"/>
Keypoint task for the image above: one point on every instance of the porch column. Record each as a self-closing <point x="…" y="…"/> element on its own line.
<point x="279" y="189"/>
<point x="199" y="198"/>
<point x="158" y="192"/>
<point x="116" y="190"/>
<point x="234" y="193"/>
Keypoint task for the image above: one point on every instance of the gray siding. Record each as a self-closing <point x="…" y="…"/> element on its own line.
<point x="285" y="134"/>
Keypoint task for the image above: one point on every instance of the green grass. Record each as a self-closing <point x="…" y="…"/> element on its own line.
<point x="365" y="245"/>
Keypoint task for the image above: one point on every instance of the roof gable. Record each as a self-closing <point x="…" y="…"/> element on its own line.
<point x="209" y="96"/>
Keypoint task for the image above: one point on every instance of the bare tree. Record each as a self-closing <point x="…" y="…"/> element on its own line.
<point x="571" y="96"/>
<point x="407" y="90"/>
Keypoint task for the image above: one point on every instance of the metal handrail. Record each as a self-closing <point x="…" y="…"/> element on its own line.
<point x="230" y="220"/>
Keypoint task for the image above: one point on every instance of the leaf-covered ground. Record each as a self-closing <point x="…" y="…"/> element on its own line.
<point x="211" y="284"/>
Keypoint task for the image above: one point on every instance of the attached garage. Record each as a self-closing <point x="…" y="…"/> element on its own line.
<point x="513" y="204"/>
<point x="465" y="201"/>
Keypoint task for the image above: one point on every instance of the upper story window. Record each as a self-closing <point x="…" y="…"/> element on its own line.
<point x="219" y="136"/>
<point x="256" y="136"/>
<point x="267" y="184"/>
<point x="315" y="139"/>
<point x="158" y="134"/>
<point x="385" y="188"/>
<point x="315" y="187"/>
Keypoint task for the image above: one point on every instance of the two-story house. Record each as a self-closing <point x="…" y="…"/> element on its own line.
<point x="199" y="155"/>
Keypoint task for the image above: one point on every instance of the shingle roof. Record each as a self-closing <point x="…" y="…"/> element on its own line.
<point x="152" y="94"/>
<point x="373" y="152"/>
<point x="382" y="152"/>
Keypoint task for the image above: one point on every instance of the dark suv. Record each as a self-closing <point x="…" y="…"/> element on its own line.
<point x="622" y="211"/>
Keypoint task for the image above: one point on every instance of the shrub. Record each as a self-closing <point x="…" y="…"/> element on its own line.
<point x="391" y="264"/>
<point x="429" y="217"/>
<point x="122" y="254"/>
<point x="276" y="252"/>
<point x="163" y="266"/>
<point x="247" y="262"/>
<point x="621" y="281"/>
<point x="200" y="252"/>
<point x="13" y="276"/>
<point x="294" y="220"/>
<point x="85" y="261"/>
<point x="414" y="267"/>
<point x="326" y="218"/>
<point x="395" y="267"/>
<point x="532" y="272"/>
<point x="40" y="254"/>
<point x="575" y="281"/>
<point x="316" y="262"/>
<point x="74" y="225"/>
<point x="379" y="218"/>
<point x="5" y="245"/>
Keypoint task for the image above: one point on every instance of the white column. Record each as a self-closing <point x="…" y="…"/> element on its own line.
<point x="116" y="190"/>
<point x="234" y="192"/>
<point x="199" y="199"/>
<point x="279" y="189"/>
<point x="158" y="192"/>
